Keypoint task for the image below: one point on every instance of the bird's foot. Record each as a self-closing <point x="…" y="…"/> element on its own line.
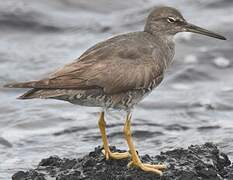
<point x="115" y="155"/>
<point x="155" y="168"/>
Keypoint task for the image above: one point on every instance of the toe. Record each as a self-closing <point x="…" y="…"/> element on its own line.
<point x="156" y="166"/>
<point x="106" y="154"/>
<point x="117" y="155"/>
<point x="149" y="169"/>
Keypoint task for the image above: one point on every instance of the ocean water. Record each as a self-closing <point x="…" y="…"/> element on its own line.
<point x="194" y="103"/>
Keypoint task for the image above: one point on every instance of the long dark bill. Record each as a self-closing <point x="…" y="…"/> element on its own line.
<point x="195" y="29"/>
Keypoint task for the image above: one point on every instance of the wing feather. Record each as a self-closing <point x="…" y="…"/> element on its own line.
<point x="121" y="65"/>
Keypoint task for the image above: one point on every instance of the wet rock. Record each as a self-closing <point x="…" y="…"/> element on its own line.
<point x="199" y="162"/>
<point x="31" y="174"/>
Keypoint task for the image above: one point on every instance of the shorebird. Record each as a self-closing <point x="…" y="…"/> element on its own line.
<point x="118" y="73"/>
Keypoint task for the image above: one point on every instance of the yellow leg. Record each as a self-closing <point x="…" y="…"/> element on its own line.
<point x="106" y="151"/>
<point x="134" y="156"/>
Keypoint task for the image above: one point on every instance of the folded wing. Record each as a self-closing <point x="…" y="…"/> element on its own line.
<point x="113" y="68"/>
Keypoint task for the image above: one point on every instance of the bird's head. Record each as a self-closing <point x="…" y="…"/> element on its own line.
<point x="169" y="21"/>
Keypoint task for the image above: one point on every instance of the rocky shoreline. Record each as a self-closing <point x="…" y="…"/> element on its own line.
<point x="197" y="162"/>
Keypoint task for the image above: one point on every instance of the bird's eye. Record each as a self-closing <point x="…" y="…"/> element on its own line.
<point x="171" y="19"/>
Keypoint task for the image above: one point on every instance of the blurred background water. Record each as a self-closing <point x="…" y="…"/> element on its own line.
<point x="194" y="104"/>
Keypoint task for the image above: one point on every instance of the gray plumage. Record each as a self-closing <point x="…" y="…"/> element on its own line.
<point x="118" y="72"/>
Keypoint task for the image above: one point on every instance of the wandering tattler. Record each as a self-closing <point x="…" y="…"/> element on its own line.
<point x="118" y="73"/>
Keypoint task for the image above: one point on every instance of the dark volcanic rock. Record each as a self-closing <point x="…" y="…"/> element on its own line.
<point x="203" y="162"/>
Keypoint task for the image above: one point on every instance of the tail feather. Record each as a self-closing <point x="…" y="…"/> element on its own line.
<point x="29" y="84"/>
<point x="43" y="94"/>
<point x="34" y="92"/>
<point x="29" y="94"/>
